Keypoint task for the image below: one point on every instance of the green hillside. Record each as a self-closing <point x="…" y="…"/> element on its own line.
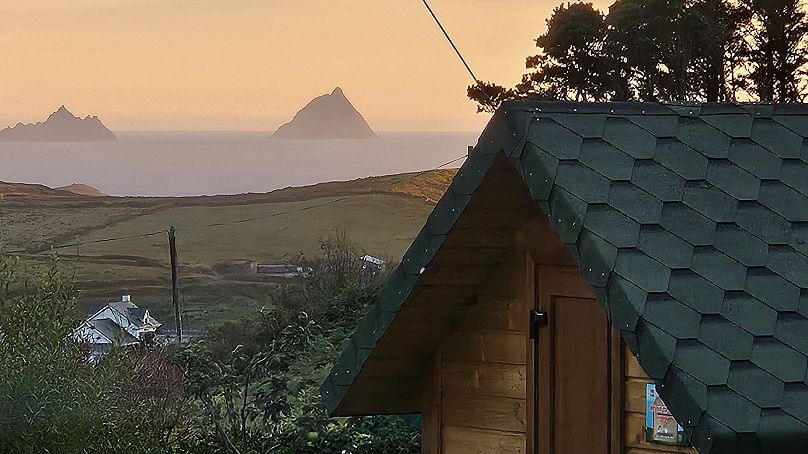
<point x="214" y="235"/>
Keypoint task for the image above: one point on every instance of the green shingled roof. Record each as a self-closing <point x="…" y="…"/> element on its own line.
<point x="692" y="225"/>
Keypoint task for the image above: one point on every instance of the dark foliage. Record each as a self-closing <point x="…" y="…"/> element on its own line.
<point x="775" y="49"/>
<point x="53" y="400"/>
<point x="257" y="380"/>
<point x="249" y="386"/>
<point x="666" y="50"/>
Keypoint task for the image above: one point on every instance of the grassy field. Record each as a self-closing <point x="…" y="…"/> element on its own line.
<point x="382" y="215"/>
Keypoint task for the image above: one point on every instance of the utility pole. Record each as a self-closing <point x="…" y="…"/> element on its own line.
<point x="1" y="223"/>
<point x="175" y="289"/>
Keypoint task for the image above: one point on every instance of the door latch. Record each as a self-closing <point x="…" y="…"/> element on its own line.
<point x="538" y="319"/>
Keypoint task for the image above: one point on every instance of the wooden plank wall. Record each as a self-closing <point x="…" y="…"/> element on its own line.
<point x="475" y="395"/>
<point x="482" y="369"/>
<point x="634" y="422"/>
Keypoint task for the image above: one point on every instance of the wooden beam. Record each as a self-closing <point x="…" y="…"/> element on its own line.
<point x="431" y="424"/>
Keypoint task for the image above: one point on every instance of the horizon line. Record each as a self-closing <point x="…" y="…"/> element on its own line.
<point x="261" y="131"/>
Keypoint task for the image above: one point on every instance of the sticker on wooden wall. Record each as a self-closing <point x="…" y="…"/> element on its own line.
<point x="660" y="426"/>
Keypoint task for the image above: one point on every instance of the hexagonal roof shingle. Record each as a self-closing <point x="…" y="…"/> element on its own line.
<point x="694" y="219"/>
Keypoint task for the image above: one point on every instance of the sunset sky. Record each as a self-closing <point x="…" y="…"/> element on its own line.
<point x="251" y="64"/>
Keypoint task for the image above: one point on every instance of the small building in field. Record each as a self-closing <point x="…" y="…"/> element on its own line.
<point x="615" y="278"/>
<point x="118" y="323"/>
<point x="284" y="271"/>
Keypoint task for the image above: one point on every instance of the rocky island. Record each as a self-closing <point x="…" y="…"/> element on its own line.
<point x="61" y="126"/>
<point x="327" y="117"/>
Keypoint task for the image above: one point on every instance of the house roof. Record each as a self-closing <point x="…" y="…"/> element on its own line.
<point x="112" y="331"/>
<point x="93" y="309"/>
<point x="135" y="315"/>
<point x="690" y="222"/>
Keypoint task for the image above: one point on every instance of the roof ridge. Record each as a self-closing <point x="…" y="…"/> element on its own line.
<point x="656" y="107"/>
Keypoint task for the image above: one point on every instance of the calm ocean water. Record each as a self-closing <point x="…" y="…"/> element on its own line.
<point x="199" y="163"/>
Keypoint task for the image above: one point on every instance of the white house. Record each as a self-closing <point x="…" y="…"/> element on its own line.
<point x="121" y="323"/>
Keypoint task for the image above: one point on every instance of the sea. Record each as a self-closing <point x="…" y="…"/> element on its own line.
<point x="145" y="163"/>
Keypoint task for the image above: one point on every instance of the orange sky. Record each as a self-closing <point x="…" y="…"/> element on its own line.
<point x="251" y="64"/>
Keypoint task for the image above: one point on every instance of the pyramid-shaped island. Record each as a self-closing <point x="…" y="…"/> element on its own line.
<point x="327" y="117"/>
<point x="61" y="126"/>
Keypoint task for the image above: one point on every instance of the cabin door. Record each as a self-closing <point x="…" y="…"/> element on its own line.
<point x="574" y="365"/>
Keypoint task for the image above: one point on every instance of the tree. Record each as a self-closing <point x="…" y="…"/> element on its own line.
<point x="47" y="397"/>
<point x="53" y="400"/>
<point x="666" y="50"/>
<point x="489" y="95"/>
<point x="572" y="65"/>
<point x="776" y="49"/>
<point x="644" y="35"/>
<point x="717" y="41"/>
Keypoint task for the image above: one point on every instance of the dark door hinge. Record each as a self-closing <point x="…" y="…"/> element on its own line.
<point x="538" y="319"/>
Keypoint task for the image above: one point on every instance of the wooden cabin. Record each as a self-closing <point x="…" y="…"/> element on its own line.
<point x="585" y="251"/>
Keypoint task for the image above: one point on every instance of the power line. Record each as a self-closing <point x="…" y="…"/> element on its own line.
<point x="449" y="38"/>
<point x="331" y="202"/>
<point x="83" y="243"/>
<point x="280" y="213"/>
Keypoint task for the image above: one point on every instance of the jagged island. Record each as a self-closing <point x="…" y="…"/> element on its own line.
<point x="327" y="117"/>
<point x="61" y="126"/>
